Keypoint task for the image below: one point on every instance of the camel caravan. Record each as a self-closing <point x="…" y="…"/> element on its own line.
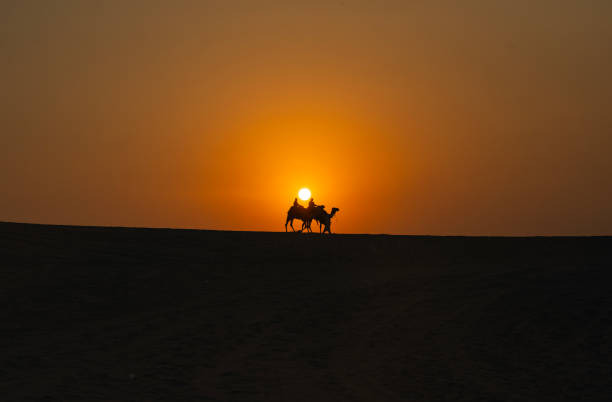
<point x="308" y="214"/>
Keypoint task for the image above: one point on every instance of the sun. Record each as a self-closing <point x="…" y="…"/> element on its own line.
<point x="304" y="194"/>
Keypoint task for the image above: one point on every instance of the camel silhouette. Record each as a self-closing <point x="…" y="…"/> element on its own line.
<point x="317" y="213"/>
<point x="325" y="220"/>
<point x="297" y="212"/>
<point x="307" y="215"/>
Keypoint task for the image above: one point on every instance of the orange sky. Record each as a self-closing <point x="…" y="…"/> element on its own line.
<point x="424" y="117"/>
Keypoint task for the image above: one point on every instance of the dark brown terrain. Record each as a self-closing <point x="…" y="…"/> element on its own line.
<point x="117" y="314"/>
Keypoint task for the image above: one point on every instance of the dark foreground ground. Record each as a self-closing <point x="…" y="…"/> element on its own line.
<point x="139" y="314"/>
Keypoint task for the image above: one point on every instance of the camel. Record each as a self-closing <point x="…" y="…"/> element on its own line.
<point x="309" y="213"/>
<point x="297" y="212"/>
<point x="317" y="213"/>
<point x="314" y="213"/>
<point x="325" y="219"/>
<point x="306" y="215"/>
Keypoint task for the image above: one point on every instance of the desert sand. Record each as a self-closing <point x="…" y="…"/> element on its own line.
<point x="120" y="314"/>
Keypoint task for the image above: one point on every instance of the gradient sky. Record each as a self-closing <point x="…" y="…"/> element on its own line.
<point x="412" y="117"/>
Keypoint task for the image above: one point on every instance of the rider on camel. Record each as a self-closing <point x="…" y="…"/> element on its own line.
<point x="295" y="203"/>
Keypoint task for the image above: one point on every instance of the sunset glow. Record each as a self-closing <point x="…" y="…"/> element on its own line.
<point x="462" y="118"/>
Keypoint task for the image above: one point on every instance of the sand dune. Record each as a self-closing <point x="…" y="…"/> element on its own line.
<point x="116" y="314"/>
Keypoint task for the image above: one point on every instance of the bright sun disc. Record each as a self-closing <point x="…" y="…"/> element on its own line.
<point x="304" y="194"/>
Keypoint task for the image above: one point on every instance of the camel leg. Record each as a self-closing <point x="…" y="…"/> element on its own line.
<point x="327" y="228"/>
<point x="289" y="221"/>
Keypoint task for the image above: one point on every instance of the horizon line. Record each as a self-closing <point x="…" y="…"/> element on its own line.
<point x="59" y="225"/>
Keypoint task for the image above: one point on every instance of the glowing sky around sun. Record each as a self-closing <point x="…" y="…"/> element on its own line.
<point x="435" y="117"/>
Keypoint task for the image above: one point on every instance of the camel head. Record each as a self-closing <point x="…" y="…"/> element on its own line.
<point x="333" y="212"/>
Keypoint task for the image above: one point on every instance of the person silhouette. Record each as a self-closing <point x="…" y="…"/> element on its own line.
<point x="311" y="204"/>
<point x="295" y="202"/>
